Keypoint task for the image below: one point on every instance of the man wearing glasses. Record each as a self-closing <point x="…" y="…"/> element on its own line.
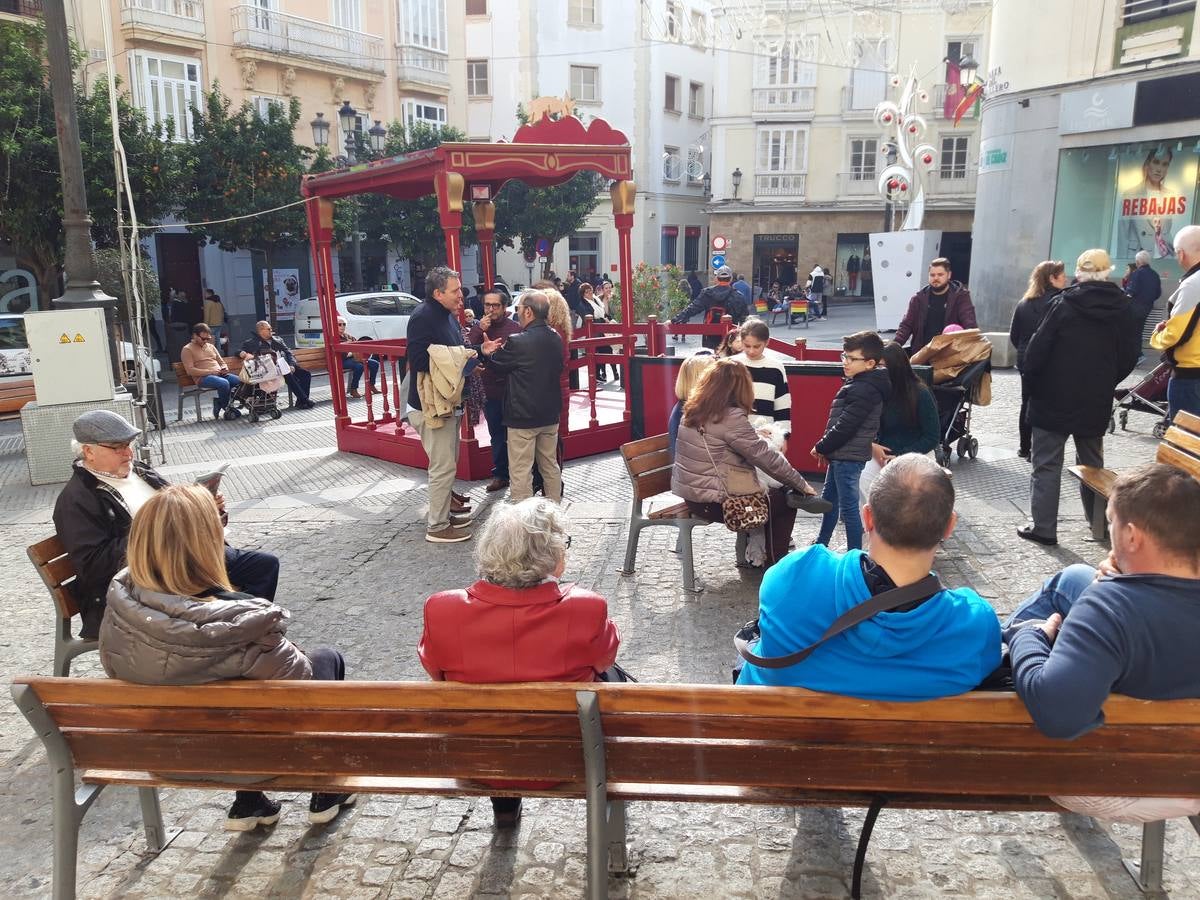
<point x="494" y="325"/>
<point x="96" y="507"/>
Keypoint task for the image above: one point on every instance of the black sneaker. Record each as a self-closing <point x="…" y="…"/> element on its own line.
<point x="248" y="812"/>
<point x="325" y="807"/>
<point x="232" y="413"/>
<point x="809" y="503"/>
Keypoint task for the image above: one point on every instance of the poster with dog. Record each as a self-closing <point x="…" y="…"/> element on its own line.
<point x="287" y="293"/>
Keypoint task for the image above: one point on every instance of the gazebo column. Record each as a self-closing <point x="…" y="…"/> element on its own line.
<point x="320" y="229"/>
<point x="623" y="194"/>
<point x="485" y="233"/>
<point x="448" y="186"/>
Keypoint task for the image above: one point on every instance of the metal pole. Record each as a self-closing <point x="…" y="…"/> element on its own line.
<point x="887" y="204"/>
<point x="355" y="244"/>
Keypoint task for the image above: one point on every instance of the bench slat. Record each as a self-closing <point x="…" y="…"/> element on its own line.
<point x="651" y="484"/>
<point x="648" y="462"/>
<point x="1098" y="479"/>
<point x="1183" y="439"/>
<point x="352" y="784"/>
<point x="677" y="511"/>
<point x="1187" y="420"/>
<point x="643" y="446"/>
<point x="1173" y="456"/>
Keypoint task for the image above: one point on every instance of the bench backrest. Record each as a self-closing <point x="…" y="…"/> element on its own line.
<point x="311" y="358"/>
<point x="233" y="363"/>
<point x="649" y="465"/>
<point x="13" y="396"/>
<point x="691" y="737"/>
<point x="1180" y="446"/>
<point x="49" y="557"/>
<point x="798" y="307"/>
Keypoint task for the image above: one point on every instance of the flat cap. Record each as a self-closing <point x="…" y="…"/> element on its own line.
<point x="103" y="427"/>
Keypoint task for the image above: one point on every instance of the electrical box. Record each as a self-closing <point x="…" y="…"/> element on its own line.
<point x="899" y="268"/>
<point x="72" y="362"/>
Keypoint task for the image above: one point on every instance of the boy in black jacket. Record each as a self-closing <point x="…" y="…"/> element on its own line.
<point x="853" y="425"/>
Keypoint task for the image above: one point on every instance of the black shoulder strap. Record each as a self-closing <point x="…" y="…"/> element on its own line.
<point x="885" y="602"/>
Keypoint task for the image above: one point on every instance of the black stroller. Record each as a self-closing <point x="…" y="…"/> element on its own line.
<point x="954" y="413"/>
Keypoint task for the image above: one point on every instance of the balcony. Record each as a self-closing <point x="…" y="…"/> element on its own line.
<point x="422" y="68"/>
<point x="177" y="21"/>
<point x="29" y="8"/>
<point x="952" y="183"/>
<point x="861" y="104"/>
<point x="858" y="184"/>
<point x="328" y="47"/>
<point x="788" y="102"/>
<point x="939" y="108"/>
<point x="780" y="186"/>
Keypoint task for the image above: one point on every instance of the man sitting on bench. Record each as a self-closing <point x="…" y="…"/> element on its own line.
<point x="934" y="646"/>
<point x="1129" y="627"/>
<point x="93" y="513"/>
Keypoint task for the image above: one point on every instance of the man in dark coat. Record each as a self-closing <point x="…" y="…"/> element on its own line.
<point x="1145" y="287"/>
<point x="1083" y="349"/>
<point x="298" y="380"/>
<point x="720" y="295"/>
<point x="695" y="286"/>
<point x="495" y="325"/>
<point x="940" y="303"/>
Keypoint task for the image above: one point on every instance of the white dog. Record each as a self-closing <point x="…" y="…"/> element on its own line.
<point x="775" y="434"/>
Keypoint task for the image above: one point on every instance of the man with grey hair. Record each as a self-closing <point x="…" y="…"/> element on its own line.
<point x="1084" y="348"/>
<point x="435" y="322"/>
<point x="533" y="361"/>
<point x="264" y="340"/>
<point x="1177" y="334"/>
<point x="1144" y="289"/>
<point x="935" y="646"/>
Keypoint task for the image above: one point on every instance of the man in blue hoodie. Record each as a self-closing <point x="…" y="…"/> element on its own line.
<point x="933" y="647"/>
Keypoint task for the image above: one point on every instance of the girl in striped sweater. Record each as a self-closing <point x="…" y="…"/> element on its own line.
<point x="772" y="402"/>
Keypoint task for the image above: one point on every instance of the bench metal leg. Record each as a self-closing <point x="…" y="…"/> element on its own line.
<point x="158" y="838"/>
<point x="179" y="411"/>
<point x="595" y="773"/>
<point x="1147" y="873"/>
<point x="1099" y="521"/>
<point x="864" y="838"/>
<point x="618" y="855"/>
<point x="636" y="524"/>
<point x="688" y="562"/>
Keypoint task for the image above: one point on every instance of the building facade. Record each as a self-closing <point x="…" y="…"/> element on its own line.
<point x="796" y="152"/>
<point x="1090" y="138"/>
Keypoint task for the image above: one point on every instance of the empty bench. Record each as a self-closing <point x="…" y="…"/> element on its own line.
<point x="188" y="387"/>
<point x="606" y="743"/>
<point x="13" y="397"/>
<point x="1180" y="447"/>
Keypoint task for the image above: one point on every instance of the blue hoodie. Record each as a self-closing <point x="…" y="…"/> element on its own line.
<point x="945" y="646"/>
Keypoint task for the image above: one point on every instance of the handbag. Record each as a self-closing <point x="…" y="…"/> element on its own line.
<point x="260" y="368"/>
<point x="741" y="512"/>
<point x="1168" y="355"/>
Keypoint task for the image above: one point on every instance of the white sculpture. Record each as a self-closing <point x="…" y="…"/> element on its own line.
<point x="902" y="181"/>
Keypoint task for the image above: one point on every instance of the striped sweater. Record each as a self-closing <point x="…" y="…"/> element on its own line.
<point x="771" y="398"/>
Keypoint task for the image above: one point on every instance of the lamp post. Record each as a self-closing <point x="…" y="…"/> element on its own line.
<point x="888" y="216"/>
<point x="967" y="70"/>
<point x="737" y="181"/>
<point x="348" y="116"/>
<point x="707" y="185"/>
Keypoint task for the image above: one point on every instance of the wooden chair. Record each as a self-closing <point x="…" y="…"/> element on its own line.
<point x="760" y="307"/>
<point x="50" y="559"/>
<point x="798" y="308"/>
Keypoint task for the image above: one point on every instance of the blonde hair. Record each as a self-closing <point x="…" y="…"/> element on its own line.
<point x="1039" y="278"/>
<point x="176" y="543"/>
<point x="560" y="314"/>
<point x="689" y="373"/>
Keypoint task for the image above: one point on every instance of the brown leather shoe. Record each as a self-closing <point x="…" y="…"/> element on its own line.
<point x="449" y="535"/>
<point x="457" y="508"/>
<point x="354" y="392"/>
<point x="496" y="484"/>
<point x="461" y="498"/>
<point x="461" y="520"/>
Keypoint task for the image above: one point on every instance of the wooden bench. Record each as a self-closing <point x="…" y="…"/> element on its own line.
<point x="1180" y="447"/>
<point x="14" y="396"/>
<point x="49" y="557"/>
<point x="648" y="463"/>
<point x="189" y="387"/>
<point x="609" y="744"/>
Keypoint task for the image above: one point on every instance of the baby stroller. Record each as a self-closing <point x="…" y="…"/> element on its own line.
<point x="1148" y="395"/>
<point x="261" y="380"/>
<point x="962" y="377"/>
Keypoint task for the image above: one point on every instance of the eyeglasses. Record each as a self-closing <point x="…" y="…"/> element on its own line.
<point x="846" y="357"/>
<point x="113" y="446"/>
<point x="493" y="306"/>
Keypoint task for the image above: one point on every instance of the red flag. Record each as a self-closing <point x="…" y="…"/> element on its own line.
<point x="973" y="93"/>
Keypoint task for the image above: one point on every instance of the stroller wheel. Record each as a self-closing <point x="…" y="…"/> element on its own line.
<point x="1112" y="424"/>
<point x="1124" y="419"/>
<point x="973" y="448"/>
<point x="253" y="417"/>
<point x="963" y="447"/>
<point x="275" y="414"/>
<point x="1160" y="429"/>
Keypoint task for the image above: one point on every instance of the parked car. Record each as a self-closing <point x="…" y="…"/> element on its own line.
<point x="379" y="315"/>
<point x="16" y="362"/>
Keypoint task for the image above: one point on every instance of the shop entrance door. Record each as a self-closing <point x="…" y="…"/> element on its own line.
<point x="775" y="259"/>
<point x="956" y="247"/>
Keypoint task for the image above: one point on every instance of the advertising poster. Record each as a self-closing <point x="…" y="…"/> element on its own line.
<point x="1156" y="191"/>
<point x="287" y="293"/>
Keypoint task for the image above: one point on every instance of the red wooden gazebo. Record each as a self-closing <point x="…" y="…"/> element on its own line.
<point x="546" y="153"/>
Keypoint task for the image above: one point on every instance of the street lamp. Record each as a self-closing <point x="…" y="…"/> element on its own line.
<point x="378" y="136"/>
<point x="707" y="185"/>
<point x="320" y="131"/>
<point x="737" y="181"/>
<point x="967" y="68"/>
<point x="348" y="116"/>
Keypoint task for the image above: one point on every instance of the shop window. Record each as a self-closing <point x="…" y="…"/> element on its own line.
<point x="863" y="154"/>
<point x="585" y="83"/>
<point x="670" y="243"/>
<point x="1135" y="11"/>
<point x="954" y="157"/>
<point x="584" y="251"/>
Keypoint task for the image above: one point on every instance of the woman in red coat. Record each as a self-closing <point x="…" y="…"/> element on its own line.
<point x="517" y="623"/>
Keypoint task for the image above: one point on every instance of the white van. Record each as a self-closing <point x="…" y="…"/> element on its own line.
<point x="379" y="315"/>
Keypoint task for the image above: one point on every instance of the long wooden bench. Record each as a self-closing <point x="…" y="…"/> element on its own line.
<point x="607" y="743"/>
<point x="189" y="387"/>
<point x="13" y="396"/>
<point x="1180" y="447"/>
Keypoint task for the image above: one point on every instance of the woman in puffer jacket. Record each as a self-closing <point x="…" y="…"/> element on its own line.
<point x="718" y="450"/>
<point x="174" y="618"/>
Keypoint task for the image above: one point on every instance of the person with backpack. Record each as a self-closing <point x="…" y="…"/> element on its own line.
<point x="720" y="296"/>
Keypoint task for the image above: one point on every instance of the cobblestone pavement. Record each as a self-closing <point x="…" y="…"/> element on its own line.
<point x="346" y="525"/>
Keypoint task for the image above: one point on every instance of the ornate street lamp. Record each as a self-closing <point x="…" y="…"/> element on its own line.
<point x="378" y="137"/>
<point x="967" y="70"/>
<point x="737" y="181"/>
<point x="348" y="116"/>
<point x="320" y="130"/>
<point x="707" y="184"/>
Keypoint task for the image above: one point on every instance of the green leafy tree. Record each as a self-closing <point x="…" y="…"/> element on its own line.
<point x="242" y="167"/>
<point x="108" y="273"/>
<point x="30" y="182"/>
<point x="656" y="291"/>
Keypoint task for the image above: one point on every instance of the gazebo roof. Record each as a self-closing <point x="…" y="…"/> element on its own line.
<point x="547" y="153"/>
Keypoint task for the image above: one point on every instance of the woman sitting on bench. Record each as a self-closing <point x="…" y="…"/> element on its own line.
<point x="174" y="618"/>
<point x="517" y="622"/>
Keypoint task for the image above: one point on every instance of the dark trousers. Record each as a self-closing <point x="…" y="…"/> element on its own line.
<point x="1045" y="481"/>
<point x="252" y="572"/>
<point x="600" y="367"/>
<point x="781" y="519"/>
<point x="298" y="381"/>
<point x="493" y="411"/>
<point x="1024" y="428"/>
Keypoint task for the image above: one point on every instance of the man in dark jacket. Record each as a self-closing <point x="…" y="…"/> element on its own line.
<point x="1083" y="349"/>
<point x="1145" y="287"/>
<point x="495" y="325"/>
<point x="940" y="303"/>
<point x="695" y="286"/>
<point x="570" y="292"/>
<point x="532" y="361"/>
<point x="720" y="295"/>
<point x="264" y="341"/>
<point x="96" y="507"/>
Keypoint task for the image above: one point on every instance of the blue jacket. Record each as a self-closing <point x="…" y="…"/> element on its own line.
<point x="945" y="646"/>
<point x="1145" y="286"/>
<point x="430" y="323"/>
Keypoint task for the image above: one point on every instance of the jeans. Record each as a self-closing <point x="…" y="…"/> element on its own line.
<point x="1183" y="393"/>
<point x="1057" y="595"/>
<point x="1024" y="427"/>
<point x="1045" y="482"/>
<point x="222" y="384"/>
<point x="252" y="572"/>
<point x="841" y="489"/>
<point x="355" y="368"/>
<point x="493" y="411"/>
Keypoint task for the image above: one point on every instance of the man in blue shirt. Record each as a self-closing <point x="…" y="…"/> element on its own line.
<point x="936" y="646"/>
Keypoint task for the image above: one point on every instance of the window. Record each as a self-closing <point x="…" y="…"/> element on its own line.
<point x="696" y="99"/>
<point x="430" y="113"/>
<point x="956" y="51"/>
<point x="12" y="334"/>
<point x="585" y="83"/>
<point x="477" y="78"/>
<point x="869" y="78"/>
<point x="385" y="306"/>
<point x="166" y="87"/>
<point x="581" y="12"/>
<point x="699" y="35"/>
<point x="674" y="21"/>
<point x="264" y="105"/>
<point x="348" y="14"/>
<point x="670" y="245"/>
<point x="671" y="94"/>
<point x="476" y="7"/>
<point x="691" y="248"/>
<point x="423" y="24"/>
<point x="781" y="149"/>
<point x="672" y="164"/>
<point x="788" y="63"/>
<point x="695" y="165"/>
<point x="1146" y="10"/>
<point x="583" y="249"/>
<point x="954" y="157"/>
<point x="863" y="154"/>
<point x="360" y="306"/>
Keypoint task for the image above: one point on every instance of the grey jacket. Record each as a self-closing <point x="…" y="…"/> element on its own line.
<point x="737" y="450"/>
<point x="153" y="638"/>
